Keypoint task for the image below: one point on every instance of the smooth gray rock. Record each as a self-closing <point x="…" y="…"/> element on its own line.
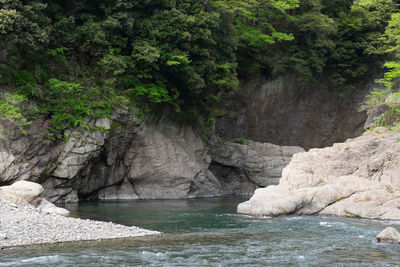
<point x="169" y="161"/>
<point x="123" y="191"/>
<point x="261" y="163"/>
<point x="79" y="149"/>
<point x="26" y="157"/>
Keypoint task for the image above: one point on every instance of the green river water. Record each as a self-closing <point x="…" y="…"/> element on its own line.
<point x="208" y="232"/>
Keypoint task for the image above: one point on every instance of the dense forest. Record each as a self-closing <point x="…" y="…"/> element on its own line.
<point x="75" y="60"/>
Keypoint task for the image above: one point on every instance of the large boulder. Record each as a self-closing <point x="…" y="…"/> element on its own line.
<point x="24" y="192"/>
<point x="357" y="178"/>
<point x="242" y="167"/>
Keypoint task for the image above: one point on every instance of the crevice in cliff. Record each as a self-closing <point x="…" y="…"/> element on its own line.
<point x="234" y="181"/>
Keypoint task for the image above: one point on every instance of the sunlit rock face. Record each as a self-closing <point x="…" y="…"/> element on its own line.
<point x="357" y="178"/>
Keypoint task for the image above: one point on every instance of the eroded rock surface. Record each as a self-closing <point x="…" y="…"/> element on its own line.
<point x="360" y="177"/>
<point x="243" y="167"/>
<point x="122" y="158"/>
<point x="26" y="156"/>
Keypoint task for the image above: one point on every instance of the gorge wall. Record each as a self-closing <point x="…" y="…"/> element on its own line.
<point x="280" y="112"/>
<point x="159" y="159"/>
<point x="125" y="159"/>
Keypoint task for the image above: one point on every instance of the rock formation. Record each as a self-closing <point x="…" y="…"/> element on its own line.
<point x="241" y="168"/>
<point x="360" y="178"/>
<point x="122" y="158"/>
<point x="279" y="111"/>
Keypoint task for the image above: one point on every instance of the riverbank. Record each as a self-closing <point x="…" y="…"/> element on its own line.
<point x="23" y="224"/>
<point x="358" y="178"/>
<point x="208" y="232"/>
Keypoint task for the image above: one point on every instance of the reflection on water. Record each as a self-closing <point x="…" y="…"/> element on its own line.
<point x="208" y="232"/>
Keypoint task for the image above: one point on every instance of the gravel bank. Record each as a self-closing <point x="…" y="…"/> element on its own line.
<point x="26" y="225"/>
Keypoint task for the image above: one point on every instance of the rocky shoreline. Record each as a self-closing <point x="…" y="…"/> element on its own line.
<point x="23" y="224"/>
<point x="26" y="218"/>
<point x="357" y="178"/>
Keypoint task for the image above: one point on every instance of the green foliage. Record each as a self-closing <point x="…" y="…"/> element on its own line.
<point x="23" y="23"/>
<point x="58" y="54"/>
<point x="81" y="59"/>
<point x="240" y="140"/>
<point x="337" y="42"/>
<point x="152" y="93"/>
<point x="10" y="110"/>
<point x="257" y="28"/>
<point x="389" y="94"/>
<point x="375" y="98"/>
<point x="72" y="104"/>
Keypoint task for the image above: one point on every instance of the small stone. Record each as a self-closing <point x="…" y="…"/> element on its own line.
<point x="389" y="235"/>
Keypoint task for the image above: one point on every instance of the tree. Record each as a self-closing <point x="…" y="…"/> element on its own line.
<point x="23" y="23"/>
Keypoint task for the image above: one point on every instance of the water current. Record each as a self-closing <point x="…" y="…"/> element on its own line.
<point x="208" y="232"/>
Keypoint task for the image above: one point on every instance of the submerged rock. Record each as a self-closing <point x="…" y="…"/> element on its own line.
<point x="389" y="235"/>
<point x="357" y="178"/>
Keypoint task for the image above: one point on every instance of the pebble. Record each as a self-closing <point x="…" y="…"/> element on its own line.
<point x="26" y="225"/>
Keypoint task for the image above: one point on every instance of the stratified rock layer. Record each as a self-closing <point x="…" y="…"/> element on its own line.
<point x="282" y="112"/>
<point x="360" y="177"/>
<point x="254" y="164"/>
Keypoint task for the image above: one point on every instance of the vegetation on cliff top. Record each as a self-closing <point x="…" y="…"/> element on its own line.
<point x="81" y="59"/>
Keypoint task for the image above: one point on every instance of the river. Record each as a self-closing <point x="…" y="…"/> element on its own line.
<point x="208" y="232"/>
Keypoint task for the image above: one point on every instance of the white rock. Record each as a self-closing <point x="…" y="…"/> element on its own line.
<point x="50" y="208"/>
<point x="388" y="235"/>
<point x="357" y="178"/>
<point x="24" y="190"/>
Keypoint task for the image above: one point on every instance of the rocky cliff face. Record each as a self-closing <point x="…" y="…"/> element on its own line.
<point x="244" y="167"/>
<point x="125" y="159"/>
<point x="281" y="113"/>
<point x="360" y="177"/>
